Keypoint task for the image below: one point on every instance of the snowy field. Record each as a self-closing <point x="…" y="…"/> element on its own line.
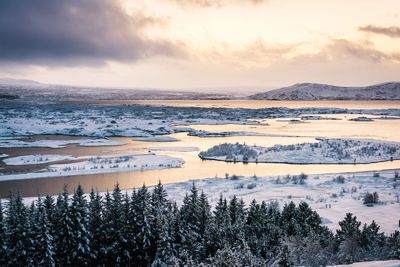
<point x="330" y="196"/>
<point x="325" y="151"/>
<point x="13" y="142"/>
<point x="389" y="263"/>
<point x="92" y="165"/>
<point x="140" y="120"/>
<point x="36" y="159"/>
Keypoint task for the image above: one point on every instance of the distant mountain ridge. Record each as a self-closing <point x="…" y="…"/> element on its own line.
<point x="315" y="91"/>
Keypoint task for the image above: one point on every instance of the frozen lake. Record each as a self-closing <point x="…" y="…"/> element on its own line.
<point x="275" y="131"/>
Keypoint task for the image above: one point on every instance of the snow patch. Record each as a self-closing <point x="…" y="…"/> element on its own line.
<point x="57" y="143"/>
<point x="36" y="159"/>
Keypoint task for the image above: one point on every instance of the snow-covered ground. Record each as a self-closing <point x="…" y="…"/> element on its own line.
<point x="36" y="159"/>
<point x="328" y="196"/>
<point x="389" y="263"/>
<point x="12" y="142"/>
<point x="140" y="120"/>
<point x="102" y="164"/>
<point x="3" y="155"/>
<point x="326" y="151"/>
<point x="331" y="198"/>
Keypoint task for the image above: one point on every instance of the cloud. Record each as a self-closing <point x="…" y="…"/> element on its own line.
<point x="341" y="48"/>
<point x="216" y="3"/>
<point x="257" y="53"/>
<point x="68" y="32"/>
<point x="393" y="31"/>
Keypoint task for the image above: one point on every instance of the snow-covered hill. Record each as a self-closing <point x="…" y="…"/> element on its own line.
<point x="315" y="91"/>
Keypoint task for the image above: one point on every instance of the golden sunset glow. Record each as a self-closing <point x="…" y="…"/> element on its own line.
<point x="232" y="43"/>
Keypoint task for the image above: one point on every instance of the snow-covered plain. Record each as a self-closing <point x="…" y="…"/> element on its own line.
<point x="140" y="120"/>
<point x="389" y="263"/>
<point x="325" y="194"/>
<point x="326" y="151"/>
<point x="12" y="142"/>
<point x="102" y="164"/>
<point x="36" y="159"/>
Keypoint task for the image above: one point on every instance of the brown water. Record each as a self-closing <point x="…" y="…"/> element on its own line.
<point x="282" y="132"/>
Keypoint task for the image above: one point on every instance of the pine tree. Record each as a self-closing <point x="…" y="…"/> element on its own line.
<point x="348" y="237"/>
<point x="288" y="219"/>
<point x="372" y="240"/>
<point x="191" y="243"/>
<point x="44" y="249"/>
<point x="106" y="254"/>
<point x="63" y="225"/>
<point x="80" y="249"/>
<point x="158" y="210"/>
<point x="349" y="228"/>
<point x="116" y="243"/>
<point x="204" y="215"/>
<point x="222" y="223"/>
<point x="95" y="225"/>
<point x="3" y="244"/>
<point x="19" y="242"/>
<point x="143" y="234"/>
<point x="284" y="257"/>
<point x="394" y="245"/>
<point x="50" y="208"/>
<point x="165" y="253"/>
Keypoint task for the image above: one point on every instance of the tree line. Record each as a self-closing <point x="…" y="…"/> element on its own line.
<point x="144" y="228"/>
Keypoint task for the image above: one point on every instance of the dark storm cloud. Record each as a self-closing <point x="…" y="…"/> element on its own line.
<point x="392" y="31"/>
<point x="74" y="32"/>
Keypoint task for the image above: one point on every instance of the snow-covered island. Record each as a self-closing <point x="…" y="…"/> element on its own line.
<point x="94" y="164"/>
<point x="325" y="151"/>
<point x="37" y="159"/>
<point x="17" y="142"/>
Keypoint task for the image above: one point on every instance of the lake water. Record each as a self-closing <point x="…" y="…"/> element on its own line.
<point x="376" y="104"/>
<point x="279" y="131"/>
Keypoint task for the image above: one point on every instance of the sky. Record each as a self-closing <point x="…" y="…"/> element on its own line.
<point x="185" y="44"/>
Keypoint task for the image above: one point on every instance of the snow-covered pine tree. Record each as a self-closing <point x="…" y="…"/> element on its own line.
<point x="191" y="243"/>
<point x="348" y="237"/>
<point x="288" y="219"/>
<point x="237" y="214"/>
<point x="284" y="257"/>
<point x="349" y="228"/>
<point x="237" y="257"/>
<point x="95" y="225"/>
<point x="17" y="234"/>
<point x="143" y="233"/>
<point x="80" y="248"/>
<point x="394" y="245"/>
<point x="44" y="250"/>
<point x="307" y="219"/>
<point x="3" y="244"/>
<point x="158" y="210"/>
<point x="63" y="225"/>
<point x="106" y="253"/>
<point x="116" y="243"/>
<point x="50" y="207"/>
<point x="222" y="223"/>
<point x="372" y="240"/>
<point x="165" y="253"/>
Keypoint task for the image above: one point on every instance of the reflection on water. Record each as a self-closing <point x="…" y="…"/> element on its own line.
<point x="194" y="167"/>
<point x="255" y="104"/>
